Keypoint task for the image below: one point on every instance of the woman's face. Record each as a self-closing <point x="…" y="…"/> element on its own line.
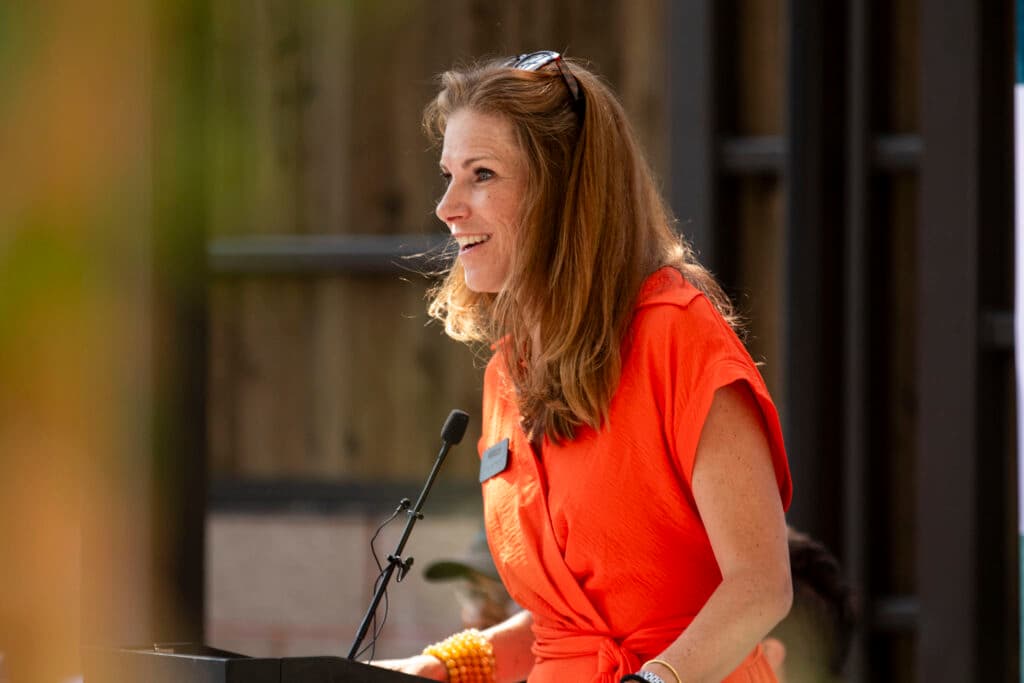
<point x="486" y="174"/>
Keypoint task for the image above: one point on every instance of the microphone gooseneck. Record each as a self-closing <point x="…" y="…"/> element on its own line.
<point x="451" y="434"/>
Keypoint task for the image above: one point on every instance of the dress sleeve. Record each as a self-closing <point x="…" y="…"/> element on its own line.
<point x="699" y="354"/>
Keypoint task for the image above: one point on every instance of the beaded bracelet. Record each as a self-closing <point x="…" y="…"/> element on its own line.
<point x="468" y="656"/>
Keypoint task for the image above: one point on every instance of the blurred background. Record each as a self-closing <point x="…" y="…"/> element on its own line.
<point x="216" y="372"/>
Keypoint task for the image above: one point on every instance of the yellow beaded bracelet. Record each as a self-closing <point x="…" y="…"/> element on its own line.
<point x="468" y="656"/>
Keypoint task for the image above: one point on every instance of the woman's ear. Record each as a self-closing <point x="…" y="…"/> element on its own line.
<point x="775" y="653"/>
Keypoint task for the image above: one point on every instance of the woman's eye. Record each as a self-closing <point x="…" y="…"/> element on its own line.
<point x="446" y="178"/>
<point x="484" y="174"/>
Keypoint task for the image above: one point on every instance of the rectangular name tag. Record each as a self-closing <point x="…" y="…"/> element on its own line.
<point x="494" y="460"/>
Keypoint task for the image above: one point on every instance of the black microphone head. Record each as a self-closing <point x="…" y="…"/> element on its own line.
<point x="455" y="427"/>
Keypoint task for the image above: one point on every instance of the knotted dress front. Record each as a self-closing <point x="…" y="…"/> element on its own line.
<point x="599" y="537"/>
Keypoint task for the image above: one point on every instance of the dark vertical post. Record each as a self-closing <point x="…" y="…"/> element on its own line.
<point x="997" y="537"/>
<point x="947" y="324"/>
<point x="691" y="187"/>
<point x="805" y="273"/>
<point x="855" y="339"/>
<point x="179" y="329"/>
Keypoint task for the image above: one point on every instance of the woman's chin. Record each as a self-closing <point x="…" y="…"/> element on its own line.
<point x="481" y="284"/>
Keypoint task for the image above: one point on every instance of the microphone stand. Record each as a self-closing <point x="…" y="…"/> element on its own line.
<point x="395" y="560"/>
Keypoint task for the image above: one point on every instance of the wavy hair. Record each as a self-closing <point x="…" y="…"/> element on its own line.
<point x="593" y="226"/>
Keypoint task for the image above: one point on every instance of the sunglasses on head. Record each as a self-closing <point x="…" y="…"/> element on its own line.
<point x="535" y="61"/>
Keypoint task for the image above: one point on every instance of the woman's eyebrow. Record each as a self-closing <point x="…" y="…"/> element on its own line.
<point x="473" y="160"/>
<point x="470" y="161"/>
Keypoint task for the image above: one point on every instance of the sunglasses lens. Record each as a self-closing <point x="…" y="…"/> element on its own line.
<point x="538" y="60"/>
<point x="534" y="60"/>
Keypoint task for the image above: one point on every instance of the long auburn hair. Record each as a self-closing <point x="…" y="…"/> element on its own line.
<point x="593" y="227"/>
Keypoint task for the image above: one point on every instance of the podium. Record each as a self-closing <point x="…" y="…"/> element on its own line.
<point x="191" y="663"/>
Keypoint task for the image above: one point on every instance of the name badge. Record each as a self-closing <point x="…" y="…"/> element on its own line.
<point x="494" y="461"/>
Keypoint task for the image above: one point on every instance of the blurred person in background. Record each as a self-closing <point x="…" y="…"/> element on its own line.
<point x="632" y="463"/>
<point x="810" y="645"/>
<point x="483" y="600"/>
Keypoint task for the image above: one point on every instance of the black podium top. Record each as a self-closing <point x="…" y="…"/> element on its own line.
<point x="190" y="663"/>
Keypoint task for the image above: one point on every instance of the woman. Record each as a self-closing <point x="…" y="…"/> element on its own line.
<point x="634" y="475"/>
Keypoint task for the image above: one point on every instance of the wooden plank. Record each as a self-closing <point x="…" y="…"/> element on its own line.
<point x="272" y="393"/>
<point x="759" y="100"/>
<point x="329" y="62"/>
<point x="223" y="369"/>
<point x="642" y="89"/>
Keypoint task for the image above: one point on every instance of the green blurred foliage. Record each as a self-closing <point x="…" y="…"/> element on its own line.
<point x="19" y="30"/>
<point x="40" y="270"/>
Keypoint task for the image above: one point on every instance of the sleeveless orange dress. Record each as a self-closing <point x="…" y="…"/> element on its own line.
<point x="599" y="537"/>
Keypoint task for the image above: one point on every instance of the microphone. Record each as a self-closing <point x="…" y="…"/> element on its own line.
<point x="454" y="427"/>
<point x="451" y="434"/>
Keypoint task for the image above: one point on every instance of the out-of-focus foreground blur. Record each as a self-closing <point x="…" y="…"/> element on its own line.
<point x="76" y="195"/>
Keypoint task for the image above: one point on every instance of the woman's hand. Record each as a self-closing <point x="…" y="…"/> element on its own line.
<point x="426" y="666"/>
<point x="511" y="640"/>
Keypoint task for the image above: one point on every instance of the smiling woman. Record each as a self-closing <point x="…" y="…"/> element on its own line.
<point x="633" y="470"/>
<point x="486" y="174"/>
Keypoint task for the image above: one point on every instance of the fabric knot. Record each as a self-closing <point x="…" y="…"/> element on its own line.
<point x="615" y="657"/>
<point x="614" y="661"/>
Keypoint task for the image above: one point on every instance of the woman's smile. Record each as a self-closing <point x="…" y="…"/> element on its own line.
<point x="468" y="242"/>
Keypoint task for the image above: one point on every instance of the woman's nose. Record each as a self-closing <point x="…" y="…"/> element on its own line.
<point x="452" y="207"/>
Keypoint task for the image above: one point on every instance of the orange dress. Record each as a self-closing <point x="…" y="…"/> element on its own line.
<point x="600" y="538"/>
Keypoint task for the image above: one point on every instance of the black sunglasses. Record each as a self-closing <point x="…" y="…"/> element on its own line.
<point x="535" y="61"/>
